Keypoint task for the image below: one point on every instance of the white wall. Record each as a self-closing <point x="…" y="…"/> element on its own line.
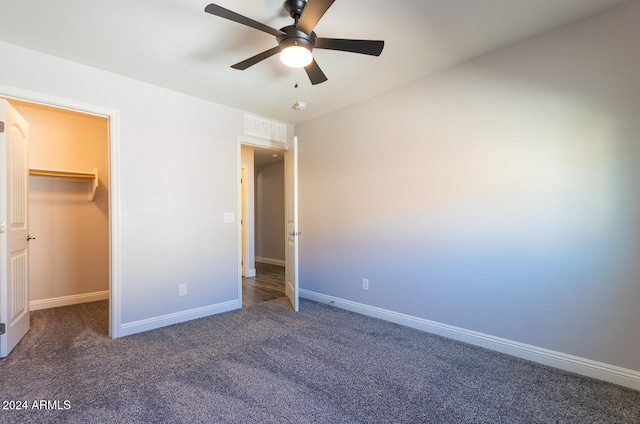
<point x="177" y="177"/>
<point x="500" y="196"/>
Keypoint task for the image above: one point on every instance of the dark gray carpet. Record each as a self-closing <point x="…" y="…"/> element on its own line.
<point x="267" y="364"/>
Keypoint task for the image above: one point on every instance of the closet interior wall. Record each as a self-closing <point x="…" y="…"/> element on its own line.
<point x="69" y="259"/>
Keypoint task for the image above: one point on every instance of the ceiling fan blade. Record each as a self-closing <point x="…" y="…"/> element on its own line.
<point x="370" y="47"/>
<point x="255" y="59"/>
<point x="312" y="13"/>
<point x="214" y="9"/>
<point x="315" y="73"/>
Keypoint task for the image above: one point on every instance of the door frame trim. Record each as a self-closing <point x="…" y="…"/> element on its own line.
<point x="113" y="117"/>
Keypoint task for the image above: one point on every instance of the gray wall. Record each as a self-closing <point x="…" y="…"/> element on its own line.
<point x="500" y="196"/>
<point x="270" y="219"/>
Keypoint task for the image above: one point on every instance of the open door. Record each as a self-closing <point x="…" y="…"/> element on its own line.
<point x="291" y="195"/>
<point x="14" y="229"/>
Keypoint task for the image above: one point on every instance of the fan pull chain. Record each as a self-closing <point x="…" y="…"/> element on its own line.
<point x="298" y="105"/>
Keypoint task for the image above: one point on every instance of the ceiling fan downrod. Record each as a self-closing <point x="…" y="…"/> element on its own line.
<point x="295" y="8"/>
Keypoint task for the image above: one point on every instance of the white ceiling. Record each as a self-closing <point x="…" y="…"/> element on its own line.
<point x="175" y="44"/>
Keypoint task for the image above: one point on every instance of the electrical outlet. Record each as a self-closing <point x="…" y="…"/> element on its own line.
<point x="365" y="284"/>
<point x="182" y="290"/>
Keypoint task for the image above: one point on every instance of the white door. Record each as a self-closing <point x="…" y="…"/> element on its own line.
<point x="243" y="218"/>
<point x="14" y="237"/>
<point x="291" y="255"/>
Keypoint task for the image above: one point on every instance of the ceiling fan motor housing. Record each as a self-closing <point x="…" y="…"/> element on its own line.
<point x="294" y="37"/>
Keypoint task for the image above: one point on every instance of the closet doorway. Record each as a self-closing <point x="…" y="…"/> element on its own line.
<point x="263" y="224"/>
<point x="68" y="206"/>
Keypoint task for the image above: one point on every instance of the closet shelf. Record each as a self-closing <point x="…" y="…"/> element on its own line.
<point x="91" y="177"/>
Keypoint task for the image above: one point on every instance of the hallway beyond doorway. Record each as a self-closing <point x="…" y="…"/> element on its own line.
<point x="268" y="284"/>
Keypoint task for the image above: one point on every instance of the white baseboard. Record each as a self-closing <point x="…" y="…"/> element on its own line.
<point x="55" y="302"/>
<point x="599" y="370"/>
<point x="270" y="261"/>
<point x="134" y="327"/>
<point x="250" y="273"/>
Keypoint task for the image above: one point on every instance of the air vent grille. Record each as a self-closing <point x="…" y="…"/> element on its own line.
<point x="263" y="128"/>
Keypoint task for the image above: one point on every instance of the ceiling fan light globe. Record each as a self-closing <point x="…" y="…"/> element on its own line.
<point x="296" y="56"/>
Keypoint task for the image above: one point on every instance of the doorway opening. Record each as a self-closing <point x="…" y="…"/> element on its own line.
<point x="263" y="224"/>
<point x="69" y="216"/>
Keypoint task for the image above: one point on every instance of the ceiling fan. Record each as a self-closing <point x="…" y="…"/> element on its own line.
<point x="297" y="41"/>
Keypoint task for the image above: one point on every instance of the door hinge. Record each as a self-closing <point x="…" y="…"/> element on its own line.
<point x="1" y="126"/>
<point x="3" y="328"/>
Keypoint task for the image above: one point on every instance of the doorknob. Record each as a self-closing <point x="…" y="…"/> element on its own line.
<point x="30" y="237"/>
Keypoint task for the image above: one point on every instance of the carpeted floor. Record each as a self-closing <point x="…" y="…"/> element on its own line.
<point x="267" y="364"/>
